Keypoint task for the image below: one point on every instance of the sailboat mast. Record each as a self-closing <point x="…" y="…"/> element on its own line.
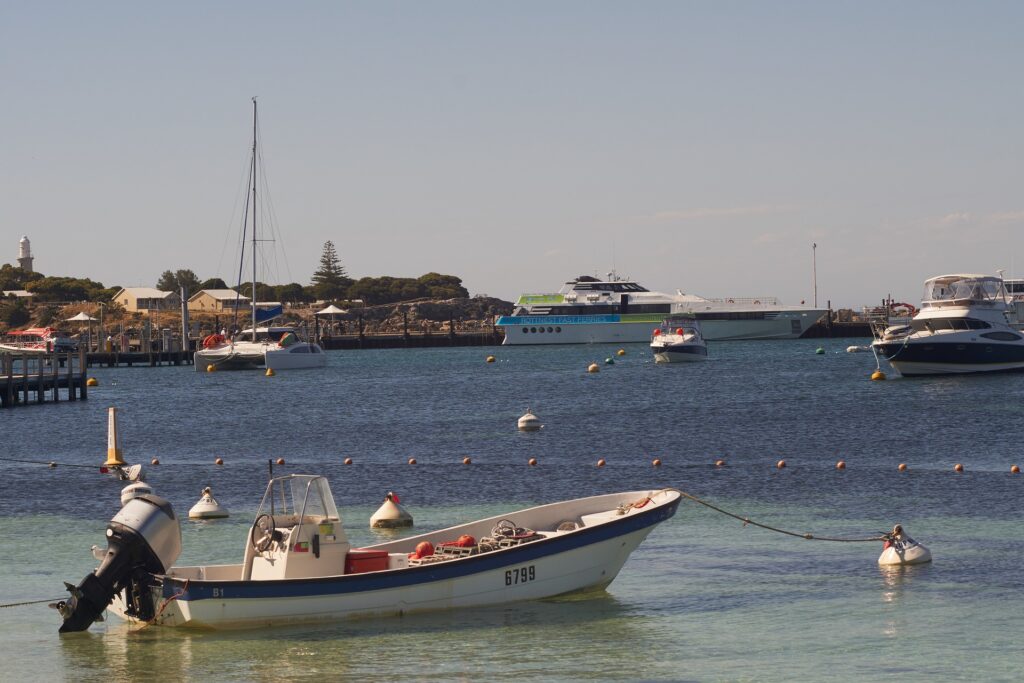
<point x="254" y="219"/>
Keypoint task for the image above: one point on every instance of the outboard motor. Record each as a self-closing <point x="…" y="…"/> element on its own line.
<point x="144" y="538"/>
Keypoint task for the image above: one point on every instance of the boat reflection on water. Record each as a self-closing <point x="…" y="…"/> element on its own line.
<point x="402" y="647"/>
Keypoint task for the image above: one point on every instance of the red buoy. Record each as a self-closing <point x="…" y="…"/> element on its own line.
<point x="656" y="462"/>
<point x="841" y="465"/>
<point x="412" y="461"/>
<point x="903" y="467"/>
<point x="780" y="464"/>
<point x="958" y="467"/>
<point x="600" y="462"/>
<point x="532" y="461"/>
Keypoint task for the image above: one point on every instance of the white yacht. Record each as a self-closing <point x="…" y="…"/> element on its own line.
<point x="589" y="310"/>
<point x="678" y="340"/>
<point x="277" y="348"/>
<point x="964" y="325"/>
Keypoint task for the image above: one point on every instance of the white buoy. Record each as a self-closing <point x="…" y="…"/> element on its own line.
<point x="207" y="507"/>
<point x="134" y="491"/>
<point x="390" y="515"/>
<point x="901" y="549"/>
<point x="529" y="422"/>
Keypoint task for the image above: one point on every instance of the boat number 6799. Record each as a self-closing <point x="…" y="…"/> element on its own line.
<point x="520" y="575"/>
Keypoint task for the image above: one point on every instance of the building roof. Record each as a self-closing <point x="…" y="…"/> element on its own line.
<point x="17" y="292"/>
<point x="220" y="295"/>
<point x="144" y="293"/>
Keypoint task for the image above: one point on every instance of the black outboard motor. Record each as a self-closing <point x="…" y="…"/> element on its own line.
<point x="143" y="538"/>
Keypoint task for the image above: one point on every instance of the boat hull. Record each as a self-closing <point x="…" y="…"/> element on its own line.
<point x="607" y="329"/>
<point x="920" y="357"/>
<point x="679" y="353"/>
<point x="298" y="356"/>
<point x="587" y="558"/>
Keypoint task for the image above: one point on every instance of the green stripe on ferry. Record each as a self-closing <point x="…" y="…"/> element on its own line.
<point x="542" y="299"/>
<point x="642" y="318"/>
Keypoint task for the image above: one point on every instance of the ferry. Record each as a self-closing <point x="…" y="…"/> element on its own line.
<point x="589" y="310"/>
<point x="38" y="340"/>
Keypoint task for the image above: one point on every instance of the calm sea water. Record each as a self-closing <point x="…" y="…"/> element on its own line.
<point x="704" y="598"/>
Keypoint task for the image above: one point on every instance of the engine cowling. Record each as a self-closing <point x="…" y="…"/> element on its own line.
<point x="144" y="537"/>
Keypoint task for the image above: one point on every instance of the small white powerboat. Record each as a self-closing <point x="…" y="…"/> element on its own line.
<point x="678" y="340"/>
<point x="298" y="565"/>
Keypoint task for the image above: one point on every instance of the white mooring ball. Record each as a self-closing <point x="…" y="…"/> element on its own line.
<point x="901" y="549"/>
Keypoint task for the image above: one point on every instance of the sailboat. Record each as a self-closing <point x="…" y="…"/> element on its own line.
<point x="277" y="348"/>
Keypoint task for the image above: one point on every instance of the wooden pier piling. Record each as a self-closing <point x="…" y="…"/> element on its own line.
<point x="22" y="373"/>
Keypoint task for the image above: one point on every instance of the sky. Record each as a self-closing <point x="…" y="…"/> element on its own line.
<point x="695" y="146"/>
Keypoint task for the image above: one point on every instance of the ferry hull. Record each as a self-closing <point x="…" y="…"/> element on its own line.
<point x="787" y="325"/>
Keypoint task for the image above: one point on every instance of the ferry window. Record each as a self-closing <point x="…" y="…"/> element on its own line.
<point x="1001" y="336"/>
<point x="558" y="329"/>
<point x="533" y="329"/>
<point x="541" y="330"/>
<point x="525" y="330"/>
<point x="550" y="330"/>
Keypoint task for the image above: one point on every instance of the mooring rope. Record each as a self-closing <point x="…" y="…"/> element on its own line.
<point x="805" y="536"/>
<point x="50" y="463"/>
<point x="30" y="602"/>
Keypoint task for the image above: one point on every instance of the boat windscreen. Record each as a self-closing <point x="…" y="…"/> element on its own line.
<point x="987" y="289"/>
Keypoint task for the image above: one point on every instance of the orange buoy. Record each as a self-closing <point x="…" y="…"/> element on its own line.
<point x="903" y="467"/>
<point x="155" y="461"/>
<point x="412" y="461"/>
<point x="841" y="465"/>
<point x="280" y="461"/>
<point x="780" y="464"/>
<point x="532" y="461"/>
<point x="218" y="461"/>
<point x="348" y="461"/>
<point x="656" y="462"/>
<point x="467" y="460"/>
<point x="958" y="467"/>
<point x="1014" y="469"/>
<point x="600" y="462"/>
<point x="490" y="359"/>
<point x="719" y="463"/>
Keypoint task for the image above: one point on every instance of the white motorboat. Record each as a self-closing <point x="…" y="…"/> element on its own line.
<point x="298" y="565"/>
<point x="963" y="326"/>
<point x="276" y="348"/>
<point x="678" y="339"/>
<point x="614" y="310"/>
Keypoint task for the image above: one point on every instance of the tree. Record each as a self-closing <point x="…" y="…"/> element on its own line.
<point x="213" y="283"/>
<point x="14" y="313"/>
<point x="173" y="282"/>
<point x="293" y="292"/>
<point x="330" y="281"/>
<point x="437" y="286"/>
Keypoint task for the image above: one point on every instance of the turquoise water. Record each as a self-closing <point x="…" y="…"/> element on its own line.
<point x="704" y="598"/>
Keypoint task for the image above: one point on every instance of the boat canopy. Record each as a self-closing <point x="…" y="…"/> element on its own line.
<point x="963" y="289"/>
<point x="304" y="495"/>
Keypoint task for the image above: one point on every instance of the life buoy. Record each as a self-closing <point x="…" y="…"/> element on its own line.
<point x="214" y="340"/>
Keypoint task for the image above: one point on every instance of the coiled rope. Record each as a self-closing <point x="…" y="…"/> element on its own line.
<point x="806" y="536"/>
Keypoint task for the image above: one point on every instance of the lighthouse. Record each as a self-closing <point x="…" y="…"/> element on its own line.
<point x="25" y="254"/>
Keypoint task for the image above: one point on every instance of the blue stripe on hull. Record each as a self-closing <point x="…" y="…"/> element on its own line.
<point x="969" y="353"/>
<point x="358" y="583"/>
<point x="688" y="349"/>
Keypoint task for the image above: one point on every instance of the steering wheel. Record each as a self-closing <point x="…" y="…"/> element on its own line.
<point x="262" y="533"/>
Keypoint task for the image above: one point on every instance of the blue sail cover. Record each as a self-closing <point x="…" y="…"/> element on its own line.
<point x="263" y="314"/>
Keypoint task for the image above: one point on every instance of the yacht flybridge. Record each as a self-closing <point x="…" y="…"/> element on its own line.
<point x="964" y="325"/>
<point x="614" y="310"/>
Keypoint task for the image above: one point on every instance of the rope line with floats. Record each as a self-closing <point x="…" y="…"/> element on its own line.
<point x="898" y="547"/>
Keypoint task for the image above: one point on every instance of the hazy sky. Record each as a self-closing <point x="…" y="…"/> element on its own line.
<point x="699" y="146"/>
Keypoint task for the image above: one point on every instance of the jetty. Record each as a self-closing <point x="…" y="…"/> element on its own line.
<point x="27" y="377"/>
